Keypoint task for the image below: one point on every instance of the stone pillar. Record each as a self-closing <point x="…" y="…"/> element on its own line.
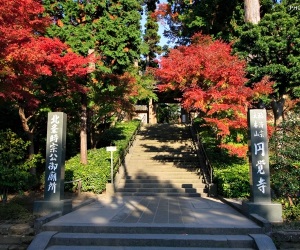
<point x="260" y="202"/>
<point x="55" y="167"/>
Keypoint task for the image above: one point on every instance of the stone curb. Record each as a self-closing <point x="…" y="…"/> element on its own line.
<point x="263" y="242"/>
<point x="41" y="241"/>
<point x="38" y="224"/>
<point x="262" y="222"/>
<point x="284" y="239"/>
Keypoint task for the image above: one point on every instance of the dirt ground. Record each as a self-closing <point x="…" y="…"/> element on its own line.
<point x="27" y="200"/>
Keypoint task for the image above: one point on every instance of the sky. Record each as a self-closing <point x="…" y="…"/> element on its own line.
<point x="163" y="40"/>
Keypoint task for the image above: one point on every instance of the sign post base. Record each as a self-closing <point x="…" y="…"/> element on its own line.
<point x="110" y="189"/>
<point x="45" y="207"/>
<point x="269" y="211"/>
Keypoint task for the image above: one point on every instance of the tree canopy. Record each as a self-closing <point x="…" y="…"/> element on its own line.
<point x="218" y="18"/>
<point x="272" y="47"/>
<point x="110" y="28"/>
<point x="26" y="56"/>
<point x="213" y="81"/>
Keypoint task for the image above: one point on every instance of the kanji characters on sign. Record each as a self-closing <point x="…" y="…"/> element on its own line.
<point x="259" y="155"/>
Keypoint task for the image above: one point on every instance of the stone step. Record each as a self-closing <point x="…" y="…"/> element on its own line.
<point x="161" y="176"/>
<point x="155" y="143"/>
<point x="160" y="181"/>
<point x="162" y="240"/>
<point x="179" y="143"/>
<point x="178" y="194"/>
<point x="156" y="146"/>
<point x="145" y="236"/>
<point x="162" y="185"/>
<point x="136" y="248"/>
<point x="168" y="157"/>
<point x="156" y="181"/>
<point x="163" y="168"/>
<point x="160" y="190"/>
<point x="191" y="173"/>
<point x="127" y="228"/>
<point x="162" y="160"/>
<point x="150" y="163"/>
<point x="177" y="153"/>
<point x="163" y="136"/>
<point x="182" y="152"/>
<point x="153" y="170"/>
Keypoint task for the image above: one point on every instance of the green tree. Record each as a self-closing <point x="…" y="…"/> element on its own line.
<point x="219" y="18"/>
<point x="110" y="30"/>
<point x="272" y="47"/>
<point x="151" y="37"/>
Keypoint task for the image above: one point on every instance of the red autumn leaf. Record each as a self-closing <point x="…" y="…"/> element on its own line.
<point x="213" y="81"/>
<point x="25" y="55"/>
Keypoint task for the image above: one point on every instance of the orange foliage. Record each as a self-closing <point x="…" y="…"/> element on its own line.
<point x="59" y="23"/>
<point x="162" y="11"/>
<point x="236" y="150"/>
<point x="212" y="81"/>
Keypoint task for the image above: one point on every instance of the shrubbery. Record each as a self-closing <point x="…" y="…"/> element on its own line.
<point x="285" y="157"/>
<point x="231" y="174"/>
<point x="96" y="173"/>
<point x="14" y="170"/>
<point x="285" y="165"/>
<point x="233" y="181"/>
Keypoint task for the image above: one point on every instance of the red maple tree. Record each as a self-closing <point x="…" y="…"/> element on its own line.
<point x="212" y="81"/>
<point x="26" y="55"/>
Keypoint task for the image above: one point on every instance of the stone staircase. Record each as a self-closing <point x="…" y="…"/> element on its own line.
<point x="150" y="238"/>
<point x="157" y="206"/>
<point x="163" y="162"/>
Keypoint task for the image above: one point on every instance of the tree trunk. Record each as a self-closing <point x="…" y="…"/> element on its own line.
<point x="83" y="130"/>
<point x="30" y="134"/>
<point x="252" y="11"/>
<point x="278" y="110"/>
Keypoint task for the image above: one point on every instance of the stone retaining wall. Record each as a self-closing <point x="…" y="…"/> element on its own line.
<point x="15" y="236"/>
<point x="286" y="239"/>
